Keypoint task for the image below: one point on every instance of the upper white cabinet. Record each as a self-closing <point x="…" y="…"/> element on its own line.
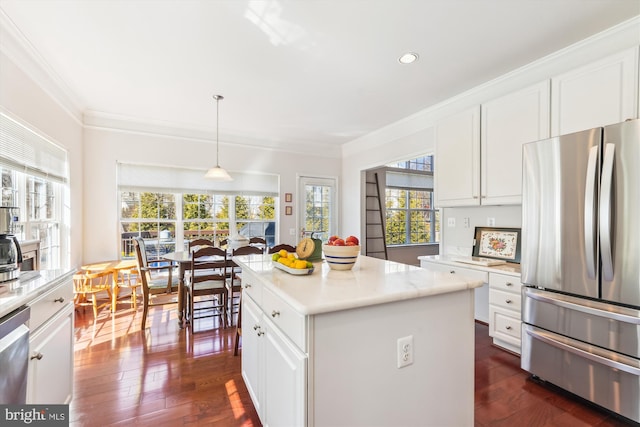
<point x="507" y="123"/>
<point x="457" y="162"/>
<point x="598" y="94"/>
<point x="479" y="151"/>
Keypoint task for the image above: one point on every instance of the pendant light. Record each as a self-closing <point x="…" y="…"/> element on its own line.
<point x="217" y="173"/>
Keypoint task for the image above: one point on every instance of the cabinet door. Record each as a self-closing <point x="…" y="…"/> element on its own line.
<point x="285" y="380"/>
<point x="598" y="94"/>
<point x="50" y="378"/>
<point x="252" y="352"/>
<point x="507" y="123"/>
<point x="457" y="169"/>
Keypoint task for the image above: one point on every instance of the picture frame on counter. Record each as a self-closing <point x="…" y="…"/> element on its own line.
<point x="497" y="243"/>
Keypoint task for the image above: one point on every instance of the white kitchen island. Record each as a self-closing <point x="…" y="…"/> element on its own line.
<point x="322" y="349"/>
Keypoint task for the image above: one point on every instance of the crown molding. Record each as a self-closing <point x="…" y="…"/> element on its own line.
<point x="121" y="123"/>
<point x="25" y="56"/>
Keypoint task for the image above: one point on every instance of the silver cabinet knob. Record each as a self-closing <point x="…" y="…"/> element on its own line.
<point x="508" y="301"/>
<point x="256" y="327"/>
<point x="260" y="333"/>
<point x="247" y="286"/>
<point x="509" y="284"/>
<point x="37" y="356"/>
<point x="59" y="299"/>
<point x="452" y="272"/>
<point x="508" y="328"/>
<point x="275" y="313"/>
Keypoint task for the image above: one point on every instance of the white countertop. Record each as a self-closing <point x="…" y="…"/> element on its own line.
<point x="371" y="281"/>
<point x="509" y="268"/>
<point x="30" y="284"/>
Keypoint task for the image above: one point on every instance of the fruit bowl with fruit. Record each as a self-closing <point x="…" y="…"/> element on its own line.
<point x="341" y="254"/>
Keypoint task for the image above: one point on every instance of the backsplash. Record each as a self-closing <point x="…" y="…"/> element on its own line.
<point x="458" y="239"/>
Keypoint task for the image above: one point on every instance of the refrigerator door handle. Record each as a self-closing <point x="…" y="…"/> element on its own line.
<point x="582" y="353"/>
<point x="564" y="303"/>
<point x="605" y="213"/>
<point x="590" y="193"/>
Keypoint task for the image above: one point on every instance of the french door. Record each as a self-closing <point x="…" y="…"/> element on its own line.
<point x="317" y="210"/>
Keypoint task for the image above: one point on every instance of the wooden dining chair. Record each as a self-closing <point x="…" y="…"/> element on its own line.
<point x="159" y="285"/>
<point x="87" y="285"/>
<point x="130" y="279"/>
<point x="207" y="277"/>
<point x="200" y="242"/>
<point x="234" y="285"/>
<point x="236" y="341"/>
<point x="258" y="242"/>
<point x="277" y="248"/>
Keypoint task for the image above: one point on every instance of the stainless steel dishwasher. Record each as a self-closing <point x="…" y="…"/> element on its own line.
<point x="14" y="356"/>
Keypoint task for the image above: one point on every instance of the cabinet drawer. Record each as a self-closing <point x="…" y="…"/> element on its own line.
<point x="290" y="322"/>
<point x="505" y="326"/>
<point x="467" y="272"/>
<point x="505" y="283"/>
<point x="48" y="304"/>
<point x="252" y="287"/>
<point x="508" y="300"/>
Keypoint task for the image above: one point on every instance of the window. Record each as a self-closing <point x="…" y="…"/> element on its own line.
<point x="409" y="214"/>
<point x="169" y="206"/>
<point x="34" y="179"/>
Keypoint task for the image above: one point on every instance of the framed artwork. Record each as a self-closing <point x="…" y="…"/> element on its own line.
<point x="288" y="210"/>
<point x="497" y="243"/>
<point x="288" y="197"/>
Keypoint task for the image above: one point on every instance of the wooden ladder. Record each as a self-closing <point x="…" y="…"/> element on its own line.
<point x="376" y="242"/>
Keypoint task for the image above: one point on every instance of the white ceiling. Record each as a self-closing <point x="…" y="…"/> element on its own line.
<point x="293" y="72"/>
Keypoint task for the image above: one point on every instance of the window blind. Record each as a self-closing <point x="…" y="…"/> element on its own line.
<point x="168" y="179"/>
<point x="27" y="151"/>
<point x="409" y="180"/>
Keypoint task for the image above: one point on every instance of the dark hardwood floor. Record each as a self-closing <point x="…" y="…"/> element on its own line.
<point x="166" y="377"/>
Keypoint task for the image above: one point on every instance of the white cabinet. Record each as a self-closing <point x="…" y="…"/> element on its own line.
<point x="274" y="368"/>
<point x="285" y="380"/>
<point x="481" y="294"/>
<point x="505" y="311"/>
<point x="252" y="360"/>
<point x="457" y="160"/>
<point x="600" y="93"/>
<point x="479" y="151"/>
<point x="50" y="377"/>
<point x="507" y="123"/>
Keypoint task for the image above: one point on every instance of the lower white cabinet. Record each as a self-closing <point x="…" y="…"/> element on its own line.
<point x="273" y="367"/>
<point x="50" y="377"/>
<point x="505" y="311"/>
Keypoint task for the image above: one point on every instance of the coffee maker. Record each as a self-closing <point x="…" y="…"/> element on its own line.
<point x="10" y="253"/>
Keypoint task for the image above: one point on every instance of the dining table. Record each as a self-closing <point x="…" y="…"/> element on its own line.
<point x="114" y="266"/>
<point x="183" y="259"/>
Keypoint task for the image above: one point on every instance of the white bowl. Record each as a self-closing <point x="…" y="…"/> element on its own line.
<point x="341" y="257"/>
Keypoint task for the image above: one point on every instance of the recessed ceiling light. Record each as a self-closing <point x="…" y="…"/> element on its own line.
<point x="408" y="58"/>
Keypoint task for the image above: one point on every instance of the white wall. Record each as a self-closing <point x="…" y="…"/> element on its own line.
<point x="27" y="101"/>
<point x="414" y="135"/>
<point x="103" y="148"/>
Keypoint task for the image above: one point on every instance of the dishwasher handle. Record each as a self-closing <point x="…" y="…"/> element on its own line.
<point x="13" y="320"/>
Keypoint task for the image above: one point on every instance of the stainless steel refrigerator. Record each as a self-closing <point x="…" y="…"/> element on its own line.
<point x="581" y="264"/>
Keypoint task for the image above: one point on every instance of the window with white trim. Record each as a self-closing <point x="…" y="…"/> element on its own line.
<point x="34" y="174"/>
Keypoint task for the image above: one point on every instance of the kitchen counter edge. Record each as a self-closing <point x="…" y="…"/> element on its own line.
<point x="372" y="281"/>
<point x="16" y="293"/>
<point x="509" y="268"/>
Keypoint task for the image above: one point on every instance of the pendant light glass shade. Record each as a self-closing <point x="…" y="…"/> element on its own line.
<point x="217" y="173"/>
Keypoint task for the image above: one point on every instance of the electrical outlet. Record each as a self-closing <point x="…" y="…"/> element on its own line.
<point x="451" y="222"/>
<point x="405" y="351"/>
<point x="491" y="222"/>
<point x="466" y="222"/>
<point x="292" y="231"/>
